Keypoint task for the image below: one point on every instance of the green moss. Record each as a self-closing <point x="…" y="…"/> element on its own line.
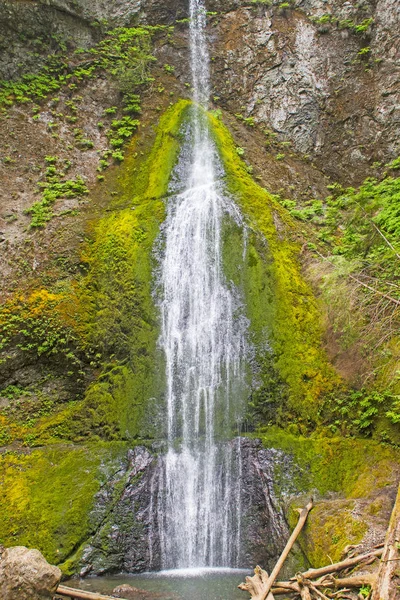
<point x="105" y="322"/>
<point x="47" y="496"/>
<point x="352" y="467"/>
<point x="116" y="295"/>
<point x="280" y="304"/>
<point x="348" y="473"/>
<point x="330" y="527"/>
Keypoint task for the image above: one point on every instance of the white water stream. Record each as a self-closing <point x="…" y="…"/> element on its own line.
<point x="203" y="340"/>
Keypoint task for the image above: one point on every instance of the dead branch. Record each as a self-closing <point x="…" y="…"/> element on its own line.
<point x="303" y="514"/>
<point x="317" y="592"/>
<point x="340" y="566"/>
<point x="63" y="590"/>
<point x="352" y="582"/>
<point x="385" y="588"/>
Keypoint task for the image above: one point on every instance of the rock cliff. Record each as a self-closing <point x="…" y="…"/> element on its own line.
<point x="305" y="102"/>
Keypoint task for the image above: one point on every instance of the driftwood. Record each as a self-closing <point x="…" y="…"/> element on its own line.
<point x="76" y="594"/>
<point x="344" y="564"/>
<point x="256" y="585"/>
<point x="349" y="582"/>
<point x="385" y="587"/>
<point x="289" y="587"/>
<point x="259" y="586"/>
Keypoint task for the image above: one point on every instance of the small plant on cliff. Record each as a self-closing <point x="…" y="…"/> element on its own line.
<point x="53" y="188"/>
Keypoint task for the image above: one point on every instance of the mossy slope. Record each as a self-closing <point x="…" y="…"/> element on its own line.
<point x="104" y="322"/>
<point x="280" y="304"/>
<point x="106" y="317"/>
<point x="353" y="481"/>
<point x="47" y="495"/>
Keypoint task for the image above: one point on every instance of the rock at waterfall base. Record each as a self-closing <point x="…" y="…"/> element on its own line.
<point x="26" y="575"/>
<point x="132" y="593"/>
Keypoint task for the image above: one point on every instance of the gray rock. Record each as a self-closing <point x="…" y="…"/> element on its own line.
<point x="26" y="575"/>
<point x="132" y="593"/>
<point x="126" y="513"/>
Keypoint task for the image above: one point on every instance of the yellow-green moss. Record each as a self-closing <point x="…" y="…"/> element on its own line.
<point x="349" y="466"/>
<point x="116" y="295"/>
<point x="46" y="495"/>
<point x="330" y="527"/>
<point x="106" y="320"/>
<point x="349" y="474"/>
<point x="280" y="304"/>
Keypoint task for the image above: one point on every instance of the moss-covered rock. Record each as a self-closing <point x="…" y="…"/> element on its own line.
<point x="353" y="481"/>
<point x="280" y="304"/>
<point x="47" y="494"/>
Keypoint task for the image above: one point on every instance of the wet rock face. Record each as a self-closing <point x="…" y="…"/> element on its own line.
<point x="126" y="515"/>
<point x="122" y="519"/>
<point x="324" y="86"/>
<point x="26" y="575"/>
<point x="263" y="527"/>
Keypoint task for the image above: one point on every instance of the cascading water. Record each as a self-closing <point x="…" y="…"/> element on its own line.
<point x="203" y="339"/>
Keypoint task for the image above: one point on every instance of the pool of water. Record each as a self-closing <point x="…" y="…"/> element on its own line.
<point x="179" y="584"/>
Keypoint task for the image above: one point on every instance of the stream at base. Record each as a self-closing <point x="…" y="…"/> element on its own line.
<point x="176" y="584"/>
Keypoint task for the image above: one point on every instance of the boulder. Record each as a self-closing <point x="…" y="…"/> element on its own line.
<point x="132" y="593"/>
<point x="26" y="575"/>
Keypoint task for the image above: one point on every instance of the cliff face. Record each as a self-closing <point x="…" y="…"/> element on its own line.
<point x="309" y="91"/>
<point x="322" y="75"/>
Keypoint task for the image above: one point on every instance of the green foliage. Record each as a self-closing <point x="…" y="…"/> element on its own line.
<point x="356" y="411"/>
<point x="394" y="164"/>
<point x="120" y="131"/>
<point x="53" y="188"/>
<point x="249" y="121"/>
<point x="37" y="324"/>
<point x="169" y="68"/>
<point x="357" y="233"/>
<point x="124" y="53"/>
<point x="131" y="103"/>
<point x="329" y="18"/>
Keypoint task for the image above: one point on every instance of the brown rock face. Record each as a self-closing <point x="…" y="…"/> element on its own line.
<point x="26" y="575"/>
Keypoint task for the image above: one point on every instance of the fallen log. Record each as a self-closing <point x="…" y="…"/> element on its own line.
<point x="385" y="587"/>
<point x="340" y="566"/>
<point x="76" y="594"/>
<point x="259" y="586"/>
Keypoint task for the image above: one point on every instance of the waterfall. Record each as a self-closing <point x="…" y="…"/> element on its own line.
<point x="203" y="339"/>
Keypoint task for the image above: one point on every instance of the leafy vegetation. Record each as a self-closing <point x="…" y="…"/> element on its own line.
<point x="54" y="187"/>
<point x="356" y="233"/>
<point x="331" y="19"/>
